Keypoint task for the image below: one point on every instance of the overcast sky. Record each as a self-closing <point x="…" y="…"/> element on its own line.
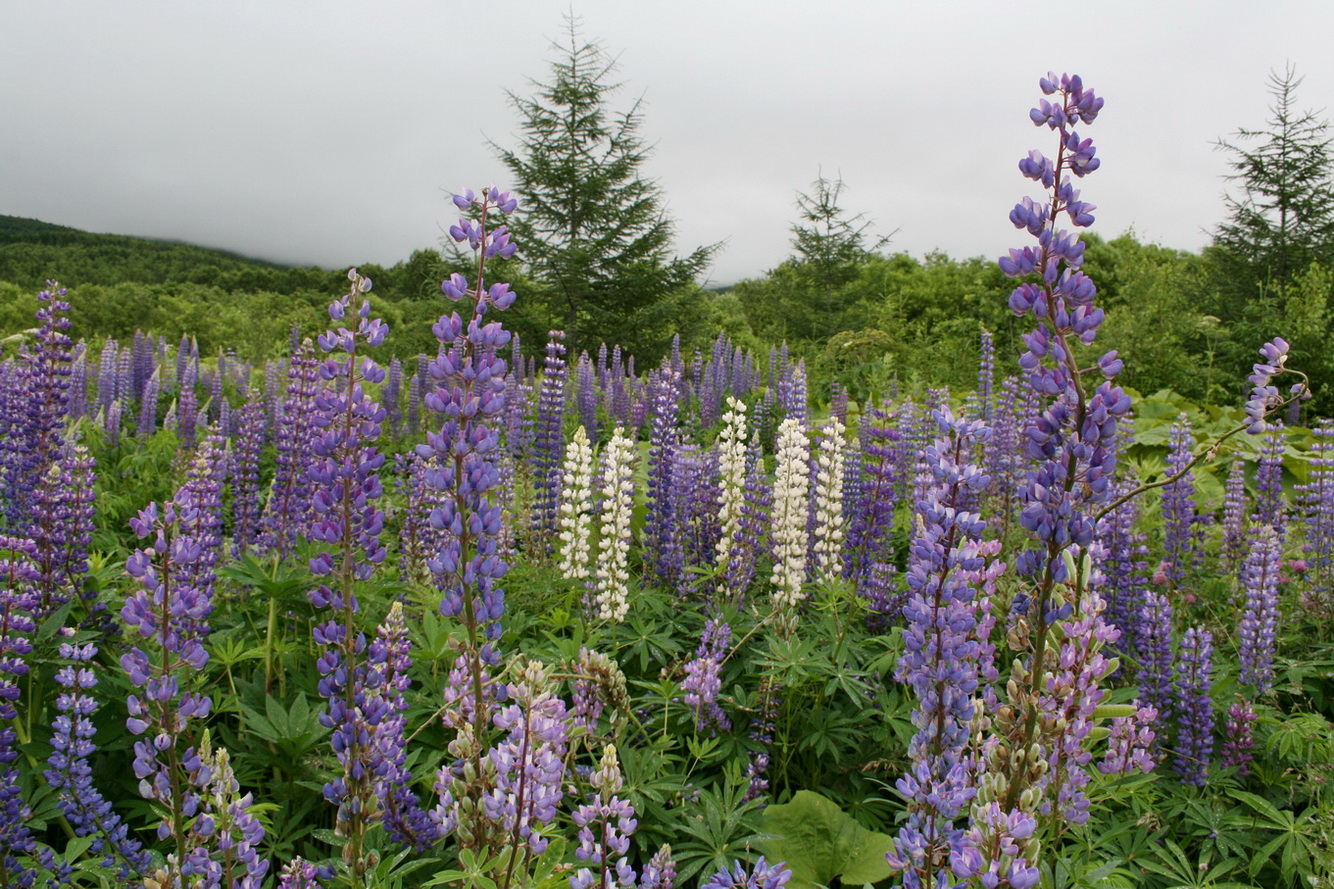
<point x="333" y="132"/>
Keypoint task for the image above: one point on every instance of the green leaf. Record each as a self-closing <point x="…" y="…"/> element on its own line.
<point x="819" y="841"/>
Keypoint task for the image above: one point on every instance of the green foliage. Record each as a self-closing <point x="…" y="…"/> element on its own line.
<point x="32" y="251"/>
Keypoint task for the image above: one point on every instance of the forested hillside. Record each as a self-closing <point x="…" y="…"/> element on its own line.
<point x="889" y="318"/>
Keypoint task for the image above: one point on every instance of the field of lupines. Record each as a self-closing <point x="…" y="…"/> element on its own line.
<point x="482" y="623"/>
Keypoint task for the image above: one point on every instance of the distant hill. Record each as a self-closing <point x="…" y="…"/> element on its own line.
<point x="31" y="251"/>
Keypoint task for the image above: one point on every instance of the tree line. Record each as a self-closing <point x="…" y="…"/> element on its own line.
<point x="596" y="261"/>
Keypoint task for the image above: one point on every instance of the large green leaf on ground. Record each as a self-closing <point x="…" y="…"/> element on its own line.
<point x="819" y="841"/>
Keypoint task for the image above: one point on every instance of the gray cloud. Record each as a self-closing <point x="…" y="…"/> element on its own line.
<point x="331" y="132"/>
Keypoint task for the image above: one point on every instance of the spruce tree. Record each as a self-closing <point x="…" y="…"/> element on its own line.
<point x="593" y="232"/>
<point x="831" y="247"/>
<point x="1272" y="256"/>
<point x="1281" y="214"/>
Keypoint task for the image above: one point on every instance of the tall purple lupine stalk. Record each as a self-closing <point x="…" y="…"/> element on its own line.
<point x="529" y="766"/>
<point x="18" y="602"/>
<point x="229" y="833"/>
<point x="1239" y="739"/>
<point x="872" y="519"/>
<point x="940" y="661"/>
<point x="393" y="398"/>
<point x="703" y="679"/>
<point x="404" y="819"/>
<point x="419" y="541"/>
<point x="665" y="555"/>
<point x="1270" y="508"/>
<point x="61" y="526"/>
<point x="1233" y="548"/>
<point x="146" y="424"/>
<point x="620" y="398"/>
<point x="1181" y="523"/>
<point x="695" y="502"/>
<point x="714" y="387"/>
<point x="468" y="389"/>
<point x="1318" y="500"/>
<point x="345" y="474"/>
<point x="167" y="620"/>
<point x="1126" y="569"/>
<point x="187" y="406"/>
<point x="1005" y="461"/>
<point x="1073" y="442"/>
<point x="38" y="410"/>
<point x="1195" y="733"/>
<point x="1071" y="695"/>
<point x="106" y="375"/>
<point x="1259" y="619"/>
<point x="586" y="396"/>
<point x="287" y="513"/>
<point x="1153" y="645"/>
<point x="249" y="444"/>
<point x="986" y="375"/>
<point x="204" y="481"/>
<point x="71" y="775"/>
<point x="142" y="365"/>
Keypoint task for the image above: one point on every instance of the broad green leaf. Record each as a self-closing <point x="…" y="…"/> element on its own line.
<point x="819" y="841"/>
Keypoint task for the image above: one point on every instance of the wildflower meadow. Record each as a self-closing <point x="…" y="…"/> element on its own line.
<point x="510" y="615"/>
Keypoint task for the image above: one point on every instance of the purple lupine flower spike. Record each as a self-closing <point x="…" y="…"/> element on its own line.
<point x="605" y="824"/>
<point x="1195" y="733"/>
<point x="665" y="555"/>
<point x="1259" y="620"/>
<point x="167" y="619"/>
<point x="287" y="513"/>
<point x="660" y="872"/>
<point x="1181" y="523"/>
<point x="18" y="602"/>
<point x="245" y="491"/>
<point x="1153" y="644"/>
<point x="32" y="437"/>
<point x="939" y="661"/>
<point x="529" y="762"/>
<point x="1270" y="508"/>
<point x="703" y="681"/>
<point x="1318" y="500"/>
<point x="345" y="477"/>
<point x="70" y="774"/>
<point x="468" y="389"/>
<point x="1239" y="741"/>
<point x="404" y="819"/>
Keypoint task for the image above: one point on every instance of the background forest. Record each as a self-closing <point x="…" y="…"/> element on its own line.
<point x="599" y="266"/>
